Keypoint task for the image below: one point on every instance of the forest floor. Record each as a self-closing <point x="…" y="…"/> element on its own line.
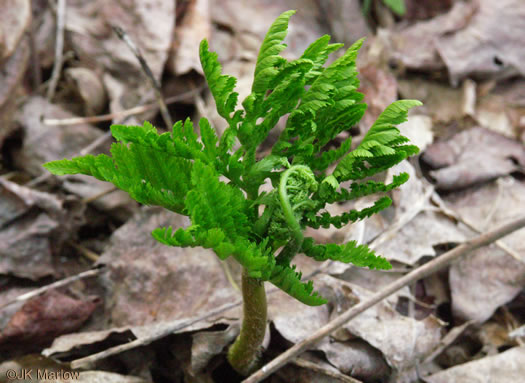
<point x="165" y="316"/>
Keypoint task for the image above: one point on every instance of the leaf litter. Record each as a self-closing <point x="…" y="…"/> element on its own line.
<point x="472" y="158"/>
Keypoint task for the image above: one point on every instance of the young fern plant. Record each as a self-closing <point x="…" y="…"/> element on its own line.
<point x="180" y="171"/>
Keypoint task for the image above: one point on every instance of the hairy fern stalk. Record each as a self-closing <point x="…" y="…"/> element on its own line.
<point x="180" y="171"/>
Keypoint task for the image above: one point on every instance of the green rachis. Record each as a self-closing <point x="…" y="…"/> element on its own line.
<point x="180" y="171"/>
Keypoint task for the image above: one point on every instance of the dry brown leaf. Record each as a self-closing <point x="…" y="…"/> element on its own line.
<point x="358" y="359"/>
<point x="15" y="16"/>
<point x="415" y="229"/>
<point x="447" y="340"/>
<point x="147" y="281"/>
<point x="148" y="23"/>
<point x="207" y="344"/>
<point x="419" y="237"/>
<point x="255" y="17"/>
<point x="489" y="277"/>
<point x="380" y="90"/>
<point x="42" y="143"/>
<point x="33" y="227"/>
<point x="44" y="32"/>
<point x="194" y="27"/>
<point x="294" y="320"/>
<point x="43" y="318"/>
<point x="72" y="346"/>
<point x="414" y="47"/>
<point x="506" y="367"/>
<point x="503" y="109"/>
<point x="473" y="156"/>
<point x="475" y="38"/>
<point x="494" y="335"/>
<point x="8" y="294"/>
<point x="418" y="129"/>
<point x="118" y="203"/>
<point x="301" y="371"/>
<point x="489" y="45"/>
<point x="402" y="340"/>
<point x="90" y="89"/>
<point x="345" y="19"/>
<point x="12" y="72"/>
<point x="442" y="103"/>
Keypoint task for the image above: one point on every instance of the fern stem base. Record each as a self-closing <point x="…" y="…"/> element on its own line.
<point x="245" y="351"/>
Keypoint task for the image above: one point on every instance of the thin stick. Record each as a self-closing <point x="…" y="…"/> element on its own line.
<point x="54" y="285"/>
<point x="96" y="143"/>
<point x="452" y="213"/>
<point x="59" y="50"/>
<point x="123" y="113"/>
<point x="88" y="360"/>
<point x="99" y="195"/>
<point x="36" y="70"/>
<point x="419" y="273"/>
<point x="149" y="74"/>
<point x="91" y="255"/>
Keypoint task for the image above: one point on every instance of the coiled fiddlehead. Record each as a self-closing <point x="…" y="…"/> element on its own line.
<point x="295" y="188"/>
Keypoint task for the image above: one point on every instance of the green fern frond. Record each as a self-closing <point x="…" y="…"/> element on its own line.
<point x="381" y="147"/>
<point x="350" y="252"/>
<point x="268" y="59"/>
<point x="288" y="280"/>
<point x="221" y="86"/>
<point x="328" y="157"/>
<point x="141" y="165"/>
<point x="213" y="204"/>
<point x="325" y="219"/>
<point x="358" y="189"/>
<point x="209" y="139"/>
<point x="318" y="53"/>
<point x="331" y="105"/>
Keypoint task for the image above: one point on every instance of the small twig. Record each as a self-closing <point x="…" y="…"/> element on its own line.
<point x="54" y="285"/>
<point x="149" y="74"/>
<point x="107" y="135"/>
<point x="88" y="360"/>
<point x="96" y="143"/>
<point x="99" y="195"/>
<point x="91" y="255"/>
<point x="35" y="181"/>
<point x="123" y="113"/>
<point x="36" y="70"/>
<point x="59" y="49"/>
<point x="453" y="214"/>
<point x="325" y="371"/>
<point x="419" y="273"/>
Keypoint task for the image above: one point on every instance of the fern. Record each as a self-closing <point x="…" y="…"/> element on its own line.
<point x="217" y="187"/>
